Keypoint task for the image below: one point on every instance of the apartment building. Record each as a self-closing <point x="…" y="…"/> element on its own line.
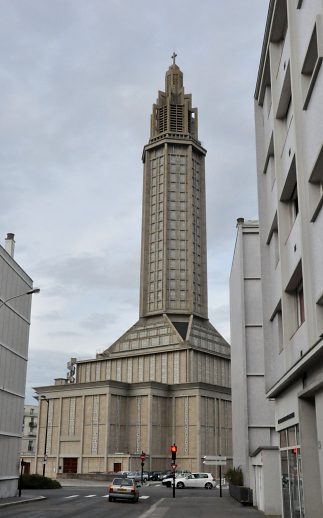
<point x="254" y="439"/>
<point x="29" y="435"/>
<point x="15" y="307"/>
<point x="289" y="140"/>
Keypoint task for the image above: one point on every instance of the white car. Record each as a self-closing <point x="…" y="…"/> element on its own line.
<point x="168" y="481"/>
<point x="196" y="480"/>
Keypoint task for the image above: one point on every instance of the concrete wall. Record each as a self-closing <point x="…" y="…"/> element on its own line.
<point x="253" y="414"/>
<point x="289" y="141"/>
<point x="14" y="335"/>
<point x="101" y="424"/>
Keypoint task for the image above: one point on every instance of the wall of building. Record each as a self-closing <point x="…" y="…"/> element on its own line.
<point x="100" y="425"/>
<point x="253" y="414"/>
<point x="289" y="136"/>
<point x="14" y="335"/>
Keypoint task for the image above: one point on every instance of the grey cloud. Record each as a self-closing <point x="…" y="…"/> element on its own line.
<point x="97" y="321"/>
<point x="64" y="333"/>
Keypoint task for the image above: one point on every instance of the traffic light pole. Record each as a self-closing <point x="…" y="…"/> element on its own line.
<point x="220" y="481"/>
<point x="142" y="458"/>
<point x="173" y="483"/>
<point x="173" y="449"/>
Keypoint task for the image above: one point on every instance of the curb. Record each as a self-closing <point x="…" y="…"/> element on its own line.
<point x="19" y="502"/>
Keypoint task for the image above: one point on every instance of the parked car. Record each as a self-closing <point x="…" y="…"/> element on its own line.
<point x="136" y="475"/>
<point x="122" y="473"/>
<point x="154" y="475"/>
<point x="196" y="480"/>
<point x="123" y="489"/>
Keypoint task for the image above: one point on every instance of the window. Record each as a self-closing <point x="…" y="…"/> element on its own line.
<point x="294" y="203"/>
<point x="291" y="472"/>
<point x="300" y="305"/>
<point x="295" y="305"/>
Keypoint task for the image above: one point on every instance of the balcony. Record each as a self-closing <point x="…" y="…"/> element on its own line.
<point x="282" y="86"/>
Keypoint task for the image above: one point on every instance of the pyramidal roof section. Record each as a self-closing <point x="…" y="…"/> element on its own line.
<point x="160" y="333"/>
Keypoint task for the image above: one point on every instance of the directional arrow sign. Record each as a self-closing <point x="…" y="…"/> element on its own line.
<point x="215" y="462"/>
<point x="214" y="457"/>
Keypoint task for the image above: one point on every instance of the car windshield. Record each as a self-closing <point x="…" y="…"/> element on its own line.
<point x="122" y="482"/>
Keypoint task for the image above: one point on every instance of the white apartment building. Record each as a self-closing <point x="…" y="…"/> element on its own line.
<point x="289" y="140"/>
<point x="254" y="439"/>
<point x="28" y="439"/>
<point x="15" y="305"/>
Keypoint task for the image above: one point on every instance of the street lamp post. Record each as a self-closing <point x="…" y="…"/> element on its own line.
<point x="44" y="398"/>
<point x="29" y="292"/>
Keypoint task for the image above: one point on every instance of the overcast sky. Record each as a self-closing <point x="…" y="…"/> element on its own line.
<point x="78" y="79"/>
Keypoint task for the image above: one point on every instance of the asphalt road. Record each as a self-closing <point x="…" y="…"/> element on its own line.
<point x="155" y="502"/>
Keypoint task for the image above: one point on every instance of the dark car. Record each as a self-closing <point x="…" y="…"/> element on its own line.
<point x="154" y="475"/>
<point x="123" y="489"/>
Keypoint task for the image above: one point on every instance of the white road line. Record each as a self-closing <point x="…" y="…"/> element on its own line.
<point x="105" y="496"/>
<point x="143" y="497"/>
<point x="89" y="496"/>
<point x="153" y="511"/>
<point x="71" y="496"/>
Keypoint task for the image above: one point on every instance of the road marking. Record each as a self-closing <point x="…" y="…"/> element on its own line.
<point x="89" y="496"/>
<point x="71" y="496"/>
<point x="156" y="513"/>
<point x="143" y="497"/>
<point x="105" y="496"/>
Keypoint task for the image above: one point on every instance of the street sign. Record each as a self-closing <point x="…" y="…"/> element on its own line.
<point x="214" y="457"/>
<point x="215" y="462"/>
<point x="142" y="457"/>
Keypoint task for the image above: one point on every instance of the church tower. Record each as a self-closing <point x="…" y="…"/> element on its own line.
<point x="167" y="378"/>
<point x="173" y="269"/>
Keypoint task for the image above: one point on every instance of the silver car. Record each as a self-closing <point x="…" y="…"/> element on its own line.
<point x="123" y="489"/>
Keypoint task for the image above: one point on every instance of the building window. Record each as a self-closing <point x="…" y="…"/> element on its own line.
<point x="291" y="472"/>
<point x="30" y="446"/>
<point x="294" y="203"/>
<point x="300" y="305"/>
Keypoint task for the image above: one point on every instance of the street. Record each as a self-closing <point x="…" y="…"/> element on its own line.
<point x="156" y="501"/>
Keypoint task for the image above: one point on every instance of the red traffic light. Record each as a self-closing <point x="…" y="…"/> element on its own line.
<point x="173" y="449"/>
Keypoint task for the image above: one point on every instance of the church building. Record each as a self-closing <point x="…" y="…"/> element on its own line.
<point x="166" y="379"/>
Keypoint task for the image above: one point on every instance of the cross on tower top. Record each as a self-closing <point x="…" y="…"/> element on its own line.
<point x="174" y="56"/>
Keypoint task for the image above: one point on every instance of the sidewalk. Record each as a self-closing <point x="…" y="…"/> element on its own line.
<point x="209" y="505"/>
<point x="23" y="499"/>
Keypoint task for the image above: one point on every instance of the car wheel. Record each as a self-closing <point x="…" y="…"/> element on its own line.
<point x="168" y="484"/>
<point x="180" y="485"/>
<point x="208" y="485"/>
<point x="111" y="499"/>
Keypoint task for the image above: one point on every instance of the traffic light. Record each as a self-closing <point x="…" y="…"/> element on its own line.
<point x="173" y="449"/>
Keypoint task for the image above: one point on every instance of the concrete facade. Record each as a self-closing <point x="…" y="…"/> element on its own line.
<point x="14" y="336"/>
<point x="289" y="139"/>
<point x="254" y="440"/>
<point x="167" y="379"/>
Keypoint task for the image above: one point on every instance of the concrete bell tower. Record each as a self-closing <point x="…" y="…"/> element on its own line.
<point x="173" y="260"/>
